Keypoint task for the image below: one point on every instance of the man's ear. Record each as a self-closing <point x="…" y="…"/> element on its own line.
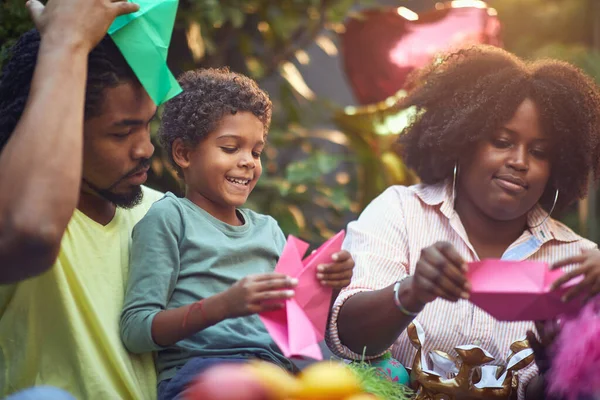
<point x="181" y="153"/>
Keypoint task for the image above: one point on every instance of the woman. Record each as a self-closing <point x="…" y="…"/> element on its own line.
<point x="499" y="145"/>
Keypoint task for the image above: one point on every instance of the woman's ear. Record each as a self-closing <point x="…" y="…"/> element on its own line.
<point x="181" y="153"/>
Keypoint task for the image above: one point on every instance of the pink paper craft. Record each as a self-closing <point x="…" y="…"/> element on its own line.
<point x="299" y="327"/>
<point x="519" y="290"/>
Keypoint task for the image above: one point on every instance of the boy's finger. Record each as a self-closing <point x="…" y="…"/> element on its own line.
<point x="270" y="276"/>
<point x="274" y="284"/>
<point x="272" y="295"/>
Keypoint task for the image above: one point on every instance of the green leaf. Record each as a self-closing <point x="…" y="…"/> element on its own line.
<point x="236" y="16"/>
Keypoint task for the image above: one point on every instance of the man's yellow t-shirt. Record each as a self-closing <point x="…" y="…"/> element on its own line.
<point x="62" y="328"/>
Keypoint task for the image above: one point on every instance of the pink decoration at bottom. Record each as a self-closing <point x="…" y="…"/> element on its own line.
<point x="576" y="360"/>
<point x="299" y="327"/>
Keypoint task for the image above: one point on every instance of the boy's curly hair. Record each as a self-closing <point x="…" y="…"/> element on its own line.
<point x="468" y="95"/>
<point x="106" y="68"/>
<point x="209" y="94"/>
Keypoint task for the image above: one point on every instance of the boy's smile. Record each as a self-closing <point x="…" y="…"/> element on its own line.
<point x="237" y="185"/>
<point x="221" y="171"/>
<point x="238" y="181"/>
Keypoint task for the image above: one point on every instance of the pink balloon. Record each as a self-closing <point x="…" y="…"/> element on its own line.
<point x="382" y="48"/>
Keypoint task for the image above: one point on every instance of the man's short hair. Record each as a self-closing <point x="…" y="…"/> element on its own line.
<point x="106" y="68"/>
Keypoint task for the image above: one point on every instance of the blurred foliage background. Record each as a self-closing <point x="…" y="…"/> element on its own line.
<point x="318" y="173"/>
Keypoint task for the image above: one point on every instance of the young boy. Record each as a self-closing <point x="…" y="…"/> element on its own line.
<point x="202" y="268"/>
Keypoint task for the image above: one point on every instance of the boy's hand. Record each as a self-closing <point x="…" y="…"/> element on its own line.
<point x="588" y="265"/>
<point x="257" y="293"/>
<point x="337" y="274"/>
<point x="78" y="22"/>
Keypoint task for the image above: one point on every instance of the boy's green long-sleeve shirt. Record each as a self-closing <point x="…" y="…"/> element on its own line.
<point x="181" y="254"/>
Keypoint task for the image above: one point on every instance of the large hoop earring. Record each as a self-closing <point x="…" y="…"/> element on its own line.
<point x="454" y="182"/>
<point x="548" y="215"/>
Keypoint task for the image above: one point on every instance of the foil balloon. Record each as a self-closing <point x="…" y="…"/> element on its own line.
<point x="380" y="48"/>
<point x="395" y="43"/>
<point x="437" y="375"/>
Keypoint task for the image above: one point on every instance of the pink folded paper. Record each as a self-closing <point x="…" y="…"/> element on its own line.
<point x="519" y="290"/>
<point x="299" y="327"/>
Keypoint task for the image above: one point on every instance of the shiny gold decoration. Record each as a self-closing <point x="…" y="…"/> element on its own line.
<point x="373" y="132"/>
<point x="464" y="374"/>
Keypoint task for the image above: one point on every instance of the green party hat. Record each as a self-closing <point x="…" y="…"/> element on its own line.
<point x="143" y="38"/>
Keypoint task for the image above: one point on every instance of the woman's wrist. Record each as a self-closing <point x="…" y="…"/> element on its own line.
<point x="408" y="298"/>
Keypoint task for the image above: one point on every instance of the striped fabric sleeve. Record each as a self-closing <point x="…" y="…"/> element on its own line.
<point x="378" y="244"/>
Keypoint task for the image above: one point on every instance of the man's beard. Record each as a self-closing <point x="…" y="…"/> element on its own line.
<point x="123" y="200"/>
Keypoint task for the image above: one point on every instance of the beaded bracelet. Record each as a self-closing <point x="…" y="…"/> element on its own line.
<point x="397" y="300"/>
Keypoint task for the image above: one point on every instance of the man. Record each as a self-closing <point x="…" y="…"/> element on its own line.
<point x="75" y="148"/>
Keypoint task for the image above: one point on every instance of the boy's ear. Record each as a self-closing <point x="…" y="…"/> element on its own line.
<point x="181" y="153"/>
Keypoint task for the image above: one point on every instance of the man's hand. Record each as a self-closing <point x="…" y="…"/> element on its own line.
<point x="77" y="22"/>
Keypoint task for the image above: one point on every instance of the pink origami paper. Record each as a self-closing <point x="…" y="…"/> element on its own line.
<point x="299" y="327"/>
<point x="519" y="290"/>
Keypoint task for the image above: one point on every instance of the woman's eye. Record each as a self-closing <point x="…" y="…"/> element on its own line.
<point x="539" y="153"/>
<point x="501" y="143"/>
<point x="229" y="150"/>
<point x="256" y="154"/>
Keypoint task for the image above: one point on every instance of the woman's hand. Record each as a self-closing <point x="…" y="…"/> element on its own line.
<point x="547" y="332"/>
<point x="440" y="272"/>
<point x="588" y="265"/>
<point x="257" y="293"/>
<point x="337" y="274"/>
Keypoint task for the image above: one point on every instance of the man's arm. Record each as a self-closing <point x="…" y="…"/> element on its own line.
<point x="41" y="164"/>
